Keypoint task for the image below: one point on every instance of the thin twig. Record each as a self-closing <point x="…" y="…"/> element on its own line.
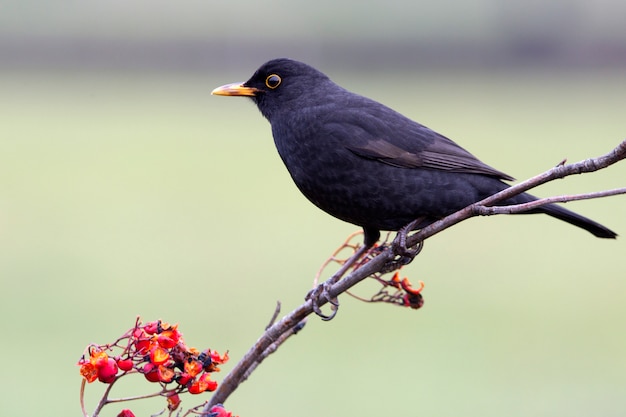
<point x="275" y="315"/>
<point x="82" y="397"/>
<point x="520" y="208"/>
<point x="136" y="397"/>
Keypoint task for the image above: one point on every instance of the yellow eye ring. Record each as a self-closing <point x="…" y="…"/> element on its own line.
<point x="273" y="81"/>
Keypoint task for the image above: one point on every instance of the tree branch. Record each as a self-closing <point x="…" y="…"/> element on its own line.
<point x="520" y="208"/>
<point x="386" y="260"/>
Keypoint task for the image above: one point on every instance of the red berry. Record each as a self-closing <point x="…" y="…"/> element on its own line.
<point x="125" y="364"/>
<point x="173" y="401"/>
<point x="152" y="327"/>
<point x="165" y="341"/>
<point x="107" y="372"/>
<point x="151" y="372"/>
<point x="218" y="410"/>
<point x="183" y="379"/>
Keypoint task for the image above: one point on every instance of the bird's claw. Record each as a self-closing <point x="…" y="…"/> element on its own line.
<point x="399" y="245"/>
<point x="321" y="295"/>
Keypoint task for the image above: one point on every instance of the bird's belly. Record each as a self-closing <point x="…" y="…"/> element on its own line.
<point x="384" y="197"/>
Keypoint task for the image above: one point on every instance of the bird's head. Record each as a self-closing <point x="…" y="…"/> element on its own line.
<point x="280" y="85"/>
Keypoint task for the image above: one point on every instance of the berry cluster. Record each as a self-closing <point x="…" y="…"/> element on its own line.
<point x="157" y="351"/>
<point x="215" y="411"/>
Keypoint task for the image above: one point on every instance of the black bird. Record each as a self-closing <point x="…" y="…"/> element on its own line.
<point x="367" y="164"/>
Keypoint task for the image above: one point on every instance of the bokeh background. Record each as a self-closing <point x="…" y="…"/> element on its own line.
<point x="126" y="189"/>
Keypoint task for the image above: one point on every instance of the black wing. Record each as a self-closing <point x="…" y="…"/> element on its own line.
<point x="376" y="132"/>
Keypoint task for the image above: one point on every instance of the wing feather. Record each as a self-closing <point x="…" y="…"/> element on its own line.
<point x="405" y="143"/>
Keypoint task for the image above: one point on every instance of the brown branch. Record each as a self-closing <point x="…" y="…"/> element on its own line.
<point x="520" y="208"/>
<point x="279" y="332"/>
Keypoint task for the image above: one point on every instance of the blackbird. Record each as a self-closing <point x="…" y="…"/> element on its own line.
<point x="367" y="164"/>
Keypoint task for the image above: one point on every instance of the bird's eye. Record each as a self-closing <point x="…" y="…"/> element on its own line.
<point x="273" y="81"/>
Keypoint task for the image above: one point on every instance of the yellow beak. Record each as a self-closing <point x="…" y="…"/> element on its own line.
<point x="235" y="89"/>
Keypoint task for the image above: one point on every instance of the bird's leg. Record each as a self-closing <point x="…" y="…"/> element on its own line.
<point x="322" y="291"/>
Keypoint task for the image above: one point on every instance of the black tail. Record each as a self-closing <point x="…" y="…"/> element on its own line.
<point x="577" y="220"/>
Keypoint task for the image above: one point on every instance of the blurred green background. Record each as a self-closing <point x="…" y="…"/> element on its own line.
<point x="126" y="189"/>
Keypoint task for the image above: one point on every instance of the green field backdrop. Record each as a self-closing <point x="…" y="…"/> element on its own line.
<point x="132" y="191"/>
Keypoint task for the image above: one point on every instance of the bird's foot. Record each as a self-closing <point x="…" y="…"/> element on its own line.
<point x="399" y="245"/>
<point x="405" y="254"/>
<point x="321" y="295"/>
